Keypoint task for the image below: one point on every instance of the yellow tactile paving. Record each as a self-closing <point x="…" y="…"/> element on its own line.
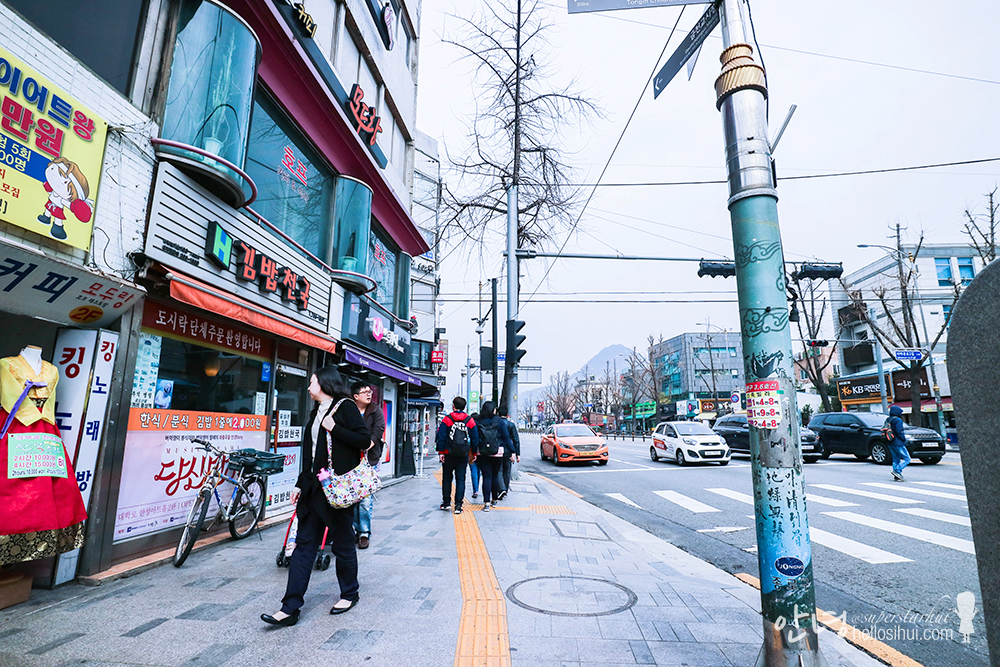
<point x="551" y="509"/>
<point x="883" y="652"/>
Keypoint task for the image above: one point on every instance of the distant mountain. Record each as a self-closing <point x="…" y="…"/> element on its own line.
<point x="595" y="366"/>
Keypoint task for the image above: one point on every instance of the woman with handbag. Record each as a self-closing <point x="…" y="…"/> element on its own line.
<point x="336" y="437"/>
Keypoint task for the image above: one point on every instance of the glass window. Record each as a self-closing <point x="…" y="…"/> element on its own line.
<point x="367" y="82"/>
<point x="382" y="268"/>
<point x="422" y="297"/>
<point x="966" y="270"/>
<point x="102" y="35"/>
<point x="399" y="150"/>
<point x="348" y="58"/>
<point x="294" y="187"/>
<point x="947" y="314"/>
<point x="352" y="215"/>
<point x="943" y="267"/>
<point x="420" y="356"/>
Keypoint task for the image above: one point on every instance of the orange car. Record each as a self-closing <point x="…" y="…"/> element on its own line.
<point x="573" y="442"/>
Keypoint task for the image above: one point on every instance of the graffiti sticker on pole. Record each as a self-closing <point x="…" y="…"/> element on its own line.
<point x="764" y="404"/>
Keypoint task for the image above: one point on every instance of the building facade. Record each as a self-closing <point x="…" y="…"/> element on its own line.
<point x="701" y="368"/>
<point x="234" y="211"/>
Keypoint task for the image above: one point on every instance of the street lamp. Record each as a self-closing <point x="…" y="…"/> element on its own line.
<point x="923" y="321"/>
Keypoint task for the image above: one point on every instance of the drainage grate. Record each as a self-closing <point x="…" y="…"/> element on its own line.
<point x="571" y="596"/>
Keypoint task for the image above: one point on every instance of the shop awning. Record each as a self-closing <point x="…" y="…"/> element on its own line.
<point x="429" y="402"/>
<point x="371" y="363"/>
<point x="200" y="295"/>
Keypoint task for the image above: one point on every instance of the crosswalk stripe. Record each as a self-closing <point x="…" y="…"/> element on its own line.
<point x="833" y="502"/>
<point x="948" y="541"/>
<point x="910" y="489"/>
<point x="941" y="485"/>
<point x="622" y="498"/>
<point x="867" y="494"/>
<point x="735" y="495"/>
<point x="858" y="550"/>
<point x="937" y="516"/>
<point x="685" y="502"/>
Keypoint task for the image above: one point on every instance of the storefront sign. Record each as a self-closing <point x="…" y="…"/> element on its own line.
<point x="51" y="156"/>
<point x="38" y="286"/>
<point x="437" y="357"/>
<point x="901" y="384"/>
<point x="305" y="19"/>
<point x="859" y="390"/>
<point x="373" y="330"/>
<point x="89" y="444"/>
<point x="73" y="357"/>
<point x="385" y="20"/>
<point x="210" y="333"/>
<point x="162" y="470"/>
<point x="764" y="409"/>
<point x="35" y="455"/>
<point x="280" y="486"/>
<point x="367" y="124"/>
<point x="191" y="230"/>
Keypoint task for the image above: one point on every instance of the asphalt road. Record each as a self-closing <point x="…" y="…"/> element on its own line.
<point x="893" y="556"/>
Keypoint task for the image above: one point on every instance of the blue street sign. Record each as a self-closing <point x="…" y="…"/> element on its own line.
<point x="690" y="44"/>
<point x="580" y="6"/>
<point x="501" y="356"/>
<point x="908" y="354"/>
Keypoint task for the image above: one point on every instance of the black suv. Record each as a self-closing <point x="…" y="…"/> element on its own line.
<point x="860" y="433"/>
<point x="735" y="430"/>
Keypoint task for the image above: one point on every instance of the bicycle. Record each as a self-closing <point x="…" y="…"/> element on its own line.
<point x="243" y="509"/>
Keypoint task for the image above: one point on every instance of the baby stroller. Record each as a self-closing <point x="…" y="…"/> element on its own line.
<point x="284" y="557"/>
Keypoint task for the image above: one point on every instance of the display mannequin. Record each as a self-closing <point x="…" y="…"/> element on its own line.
<point x="41" y="509"/>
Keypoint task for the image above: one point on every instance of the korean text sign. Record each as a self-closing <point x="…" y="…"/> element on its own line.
<point x="51" y="154"/>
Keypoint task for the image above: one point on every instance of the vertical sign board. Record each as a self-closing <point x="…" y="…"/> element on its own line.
<point x="74" y="359"/>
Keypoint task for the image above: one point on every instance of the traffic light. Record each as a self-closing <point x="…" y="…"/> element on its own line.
<point x="514" y="341"/>
<point x="818" y="271"/>
<point x="713" y="269"/>
<point x="817" y="343"/>
<point x="487" y="358"/>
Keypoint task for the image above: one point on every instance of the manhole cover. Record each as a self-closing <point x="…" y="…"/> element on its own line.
<point x="571" y="596"/>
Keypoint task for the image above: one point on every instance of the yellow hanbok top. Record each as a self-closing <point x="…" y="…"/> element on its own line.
<point x="14" y="372"/>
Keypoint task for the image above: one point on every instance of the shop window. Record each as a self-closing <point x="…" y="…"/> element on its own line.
<point x="420" y="356"/>
<point x="294" y="187"/>
<point x="966" y="270"/>
<point x="422" y="297"/>
<point x="190" y="377"/>
<point x="102" y="35"/>
<point x="382" y="268"/>
<point x="943" y="267"/>
<point x="352" y="218"/>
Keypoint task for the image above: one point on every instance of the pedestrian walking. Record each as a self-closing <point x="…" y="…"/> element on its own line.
<point x="494" y="444"/>
<point x="474" y="466"/>
<point x="374" y="418"/>
<point x="507" y="461"/>
<point x="336" y="437"/>
<point x="897" y="443"/>
<point x="457" y="444"/>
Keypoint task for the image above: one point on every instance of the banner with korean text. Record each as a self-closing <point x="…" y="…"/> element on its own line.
<point x="51" y="156"/>
<point x="162" y="469"/>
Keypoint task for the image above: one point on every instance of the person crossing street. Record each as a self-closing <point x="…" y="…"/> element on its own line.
<point x="897" y="443"/>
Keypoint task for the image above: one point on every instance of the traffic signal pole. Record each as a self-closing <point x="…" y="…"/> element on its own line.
<point x="510" y="366"/>
<point x="788" y="604"/>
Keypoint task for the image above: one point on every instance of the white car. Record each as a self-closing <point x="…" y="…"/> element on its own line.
<point x="688" y="442"/>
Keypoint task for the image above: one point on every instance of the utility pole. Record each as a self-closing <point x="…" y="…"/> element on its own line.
<point x="510" y="365"/>
<point x="788" y="601"/>
<point x="877" y="351"/>
<point x="496" y="342"/>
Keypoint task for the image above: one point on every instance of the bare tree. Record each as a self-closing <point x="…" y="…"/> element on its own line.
<point x="898" y="304"/>
<point x="643" y="382"/>
<point x="559" y="395"/>
<point x="514" y="136"/>
<point x="981" y="228"/>
<point x="809" y="324"/>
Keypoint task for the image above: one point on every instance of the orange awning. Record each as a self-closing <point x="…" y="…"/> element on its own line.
<point x="200" y="295"/>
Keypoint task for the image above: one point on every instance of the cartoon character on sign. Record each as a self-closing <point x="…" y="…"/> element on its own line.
<point x="67" y="187"/>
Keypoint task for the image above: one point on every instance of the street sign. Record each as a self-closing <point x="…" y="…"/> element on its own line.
<point x="909" y="354"/>
<point x="735" y="397"/>
<point x="689" y="45"/>
<point x="581" y="6"/>
<point x="501" y="356"/>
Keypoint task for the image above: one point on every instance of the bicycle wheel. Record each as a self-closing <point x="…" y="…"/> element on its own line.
<point x="246" y="508"/>
<point x="195" y="520"/>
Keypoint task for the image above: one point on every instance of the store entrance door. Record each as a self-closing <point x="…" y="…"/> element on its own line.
<point x="288" y="419"/>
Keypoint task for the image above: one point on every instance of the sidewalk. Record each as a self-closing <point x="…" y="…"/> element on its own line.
<point x="545" y="580"/>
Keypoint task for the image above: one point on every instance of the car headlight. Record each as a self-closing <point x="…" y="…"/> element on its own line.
<point x="722" y="440"/>
<point x="690" y="441"/>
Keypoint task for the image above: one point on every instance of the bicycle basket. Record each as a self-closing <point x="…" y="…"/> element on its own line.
<point x="256" y="461"/>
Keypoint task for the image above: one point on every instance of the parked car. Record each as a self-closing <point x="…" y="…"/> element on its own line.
<point x="573" y="442"/>
<point x="860" y="433"/>
<point x="735" y="430"/>
<point x="688" y="442"/>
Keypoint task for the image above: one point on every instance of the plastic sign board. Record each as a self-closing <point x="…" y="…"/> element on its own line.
<point x="581" y="6"/>
<point x="908" y="354"/>
<point x="688" y="47"/>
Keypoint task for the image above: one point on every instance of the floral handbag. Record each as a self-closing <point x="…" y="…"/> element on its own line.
<point x="342" y="491"/>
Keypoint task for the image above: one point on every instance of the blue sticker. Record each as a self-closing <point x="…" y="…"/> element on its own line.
<point x="265" y="372"/>
<point x="789" y="566"/>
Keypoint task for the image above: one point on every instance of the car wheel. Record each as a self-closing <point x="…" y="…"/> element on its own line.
<point x="930" y="460"/>
<point x="653" y="455"/>
<point x="555" y="458"/>
<point x="723" y="463"/>
<point x="541" y="451"/>
<point x="603" y="462"/>
<point x="880" y="453"/>
<point x="810" y="459"/>
<point x="681" y="461"/>
<point x="824" y="450"/>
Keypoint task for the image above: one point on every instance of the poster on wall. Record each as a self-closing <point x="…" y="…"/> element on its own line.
<point x="162" y="469"/>
<point x="147" y="368"/>
<point x="51" y="156"/>
<point x="279" y="486"/>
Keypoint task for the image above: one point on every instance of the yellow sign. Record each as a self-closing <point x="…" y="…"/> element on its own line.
<point x="51" y="154"/>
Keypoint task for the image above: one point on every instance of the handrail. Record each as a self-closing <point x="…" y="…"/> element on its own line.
<point x="156" y="141"/>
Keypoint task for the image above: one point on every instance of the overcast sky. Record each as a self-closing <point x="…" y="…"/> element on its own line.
<point x="851" y="67"/>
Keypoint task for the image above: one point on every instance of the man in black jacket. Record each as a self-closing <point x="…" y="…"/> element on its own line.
<point x="514" y="455"/>
<point x="374" y="418"/>
<point x="457" y="444"/>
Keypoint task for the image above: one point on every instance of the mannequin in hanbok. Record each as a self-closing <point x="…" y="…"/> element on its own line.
<point x="41" y="508"/>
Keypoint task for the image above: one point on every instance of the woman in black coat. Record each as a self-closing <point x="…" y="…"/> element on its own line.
<point x="348" y="438"/>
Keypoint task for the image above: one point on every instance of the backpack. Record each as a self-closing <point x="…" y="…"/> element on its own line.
<point x="458" y="437"/>
<point x="887" y="430"/>
<point x="489" y="438"/>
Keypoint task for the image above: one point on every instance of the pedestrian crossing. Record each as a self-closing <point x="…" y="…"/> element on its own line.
<point x="833" y="504"/>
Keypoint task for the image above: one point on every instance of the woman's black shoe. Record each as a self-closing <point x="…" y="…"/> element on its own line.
<point x="289" y="620"/>
<point x="341" y="610"/>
